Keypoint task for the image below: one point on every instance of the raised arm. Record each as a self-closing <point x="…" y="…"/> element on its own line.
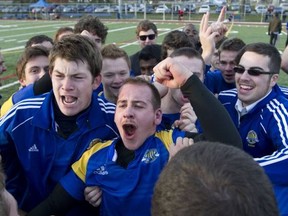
<point x="215" y="121"/>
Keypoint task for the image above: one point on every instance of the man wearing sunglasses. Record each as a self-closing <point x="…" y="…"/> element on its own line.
<point x="257" y="106"/>
<point x="146" y="34"/>
<point x="259" y="109"/>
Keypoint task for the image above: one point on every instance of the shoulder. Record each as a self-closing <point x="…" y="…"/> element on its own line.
<point x="228" y="94"/>
<point x="105" y="106"/>
<point x="25" y="107"/>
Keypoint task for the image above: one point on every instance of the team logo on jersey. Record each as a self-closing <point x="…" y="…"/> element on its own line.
<point x="101" y="170"/>
<point x="150" y="156"/>
<point x="252" y="138"/>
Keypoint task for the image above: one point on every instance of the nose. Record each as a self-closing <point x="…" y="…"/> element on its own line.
<point x="42" y="72"/>
<point x="128" y="113"/>
<point x="67" y="84"/>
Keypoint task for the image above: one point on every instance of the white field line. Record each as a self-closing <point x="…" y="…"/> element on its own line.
<point x="9" y="85"/>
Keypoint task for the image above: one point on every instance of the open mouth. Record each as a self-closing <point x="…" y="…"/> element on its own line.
<point x="129" y="129"/>
<point x="68" y="99"/>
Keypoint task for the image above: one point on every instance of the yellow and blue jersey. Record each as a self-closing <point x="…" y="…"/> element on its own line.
<point x="125" y="191"/>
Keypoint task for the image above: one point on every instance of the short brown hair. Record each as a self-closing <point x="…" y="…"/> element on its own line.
<point x="155" y="99"/>
<point x="29" y="53"/>
<point x="112" y="51"/>
<point x="146" y="25"/>
<point x="77" y="47"/>
<point x="210" y="178"/>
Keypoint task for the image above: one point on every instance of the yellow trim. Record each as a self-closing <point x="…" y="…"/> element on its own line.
<point x="166" y="137"/>
<point x="80" y="166"/>
<point x="7" y="105"/>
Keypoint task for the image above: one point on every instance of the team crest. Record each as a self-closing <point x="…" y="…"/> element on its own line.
<point x="252" y="138"/>
<point x="150" y="156"/>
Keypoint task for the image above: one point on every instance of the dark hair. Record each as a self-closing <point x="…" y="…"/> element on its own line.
<point x="38" y="39"/>
<point x="93" y="25"/>
<point x="265" y="50"/>
<point x="61" y="31"/>
<point x="189" y="53"/>
<point x="152" y="51"/>
<point x="77" y="47"/>
<point x="232" y="44"/>
<point x="29" y="53"/>
<point x="137" y="81"/>
<point x="175" y="40"/>
<point x="146" y="25"/>
<point x="210" y="178"/>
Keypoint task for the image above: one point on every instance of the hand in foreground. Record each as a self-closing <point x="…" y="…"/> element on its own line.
<point x="93" y="195"/>
<point x="180" y="144"/>
<point x="187" y="119"/>
<point x="171" y="73"/>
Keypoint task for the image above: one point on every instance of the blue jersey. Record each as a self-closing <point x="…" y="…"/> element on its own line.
<point x="29" y="132"/>
<point x="125" y="191"/>
<point x="215" y="82"/>
<point x="264" y="128"/>
<point x="275" y="166"/>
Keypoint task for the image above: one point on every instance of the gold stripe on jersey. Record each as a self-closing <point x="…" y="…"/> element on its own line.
<point x="80" y="166"/>
<point x="166" y="137"/>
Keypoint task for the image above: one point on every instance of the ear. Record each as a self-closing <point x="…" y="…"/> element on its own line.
<point x="22" y="82"/>
<point x="158" y="116"/>
<point x="274" y="79"/>
<point x="97" y="81"/>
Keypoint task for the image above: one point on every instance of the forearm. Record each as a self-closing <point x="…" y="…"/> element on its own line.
<point x="59" y="202"/>
<point x="215" y="120"/>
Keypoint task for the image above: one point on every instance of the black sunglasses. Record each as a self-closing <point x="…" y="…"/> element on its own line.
<point x="144" y="37"/>
<point x="251" y="71"/>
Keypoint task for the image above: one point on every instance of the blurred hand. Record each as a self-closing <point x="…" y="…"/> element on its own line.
<point x="93" y="195"/>
<point x="187" y="119"/>
<point x="180" y="144"/>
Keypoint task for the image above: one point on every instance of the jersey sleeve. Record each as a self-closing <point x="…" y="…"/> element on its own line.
<point x="214" y="119"/>
<point x="73" y="185"/>
<point x="275" y="166"/>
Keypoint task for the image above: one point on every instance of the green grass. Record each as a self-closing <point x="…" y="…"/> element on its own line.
<point x="14" y="33"/>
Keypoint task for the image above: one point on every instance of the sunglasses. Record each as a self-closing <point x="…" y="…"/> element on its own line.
<point x="250" y="71"/>
<point x="144" y="37"/>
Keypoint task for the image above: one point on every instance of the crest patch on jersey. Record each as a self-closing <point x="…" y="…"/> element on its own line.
<point x="150" y="156"/>
<point x="252" y="138"/>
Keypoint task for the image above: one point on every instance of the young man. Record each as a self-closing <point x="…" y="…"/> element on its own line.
<point x="193" y="34"/>
<point x="210" y="178"/>
<point x="115" y="70"/>
<point x="149" y="57"/>
<point x="146" y="34"/>
<point x="92" y="27"/>
<point x="41" y="137"/>
<point x="127" y="168"/>
<point x="89" y="26"/>
<point x="258" y="107"/>
<point x="31" y="66"/>
<point x="174" y="102"/>
<point x="40" y="40"/>
<point x="274" y="28"/>
<point x="174" y="40"/>
<point x="224" y="78"/>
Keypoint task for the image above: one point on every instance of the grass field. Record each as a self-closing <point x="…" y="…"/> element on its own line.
<point x="14" y="34"/>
